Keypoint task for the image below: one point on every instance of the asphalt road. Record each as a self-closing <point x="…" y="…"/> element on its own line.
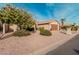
<point x="69" y="48"/>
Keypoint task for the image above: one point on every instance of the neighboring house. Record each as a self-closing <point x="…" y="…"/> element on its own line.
<point x="51" y="25"/>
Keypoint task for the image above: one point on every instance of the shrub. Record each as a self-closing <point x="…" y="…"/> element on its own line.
<point x="45" y="33"/>
<point x="21" y="33"/>
<point x="75" y="28"/>
<point x="41" y="28"/>
<point x="64" y="28"/>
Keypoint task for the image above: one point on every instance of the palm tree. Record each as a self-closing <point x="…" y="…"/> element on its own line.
<point x="62" y="21"/>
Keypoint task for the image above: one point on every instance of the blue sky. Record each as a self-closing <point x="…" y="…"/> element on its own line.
<point x="47" y="11"/>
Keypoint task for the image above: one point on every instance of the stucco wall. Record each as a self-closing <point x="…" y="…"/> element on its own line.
<point x="46" y="26"/>
<point x="13" y="27"/>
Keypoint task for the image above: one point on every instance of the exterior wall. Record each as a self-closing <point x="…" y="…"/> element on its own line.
<point x="46" y="26"/>
<point x="13" y="27"/>
<point x="9" y="27"/>
<point x="50" y="26"/>
<point x="54" y="26"/>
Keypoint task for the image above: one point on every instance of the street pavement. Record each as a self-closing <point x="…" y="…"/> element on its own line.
<point x="69" y="48"/>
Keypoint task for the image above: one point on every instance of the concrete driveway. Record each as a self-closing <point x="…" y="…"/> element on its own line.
<point x="69" y="48"/>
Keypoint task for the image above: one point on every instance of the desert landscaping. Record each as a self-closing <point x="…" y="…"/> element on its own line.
<point x="33" y="44"/>
<point x="21" y="34"/>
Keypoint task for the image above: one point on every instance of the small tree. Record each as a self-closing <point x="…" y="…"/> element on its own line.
<point x="11" y="15"/>
<point x="23" y="19"/>
<point x="4" y="18"/>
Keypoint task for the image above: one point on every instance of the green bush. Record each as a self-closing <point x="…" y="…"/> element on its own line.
<point x="21" y="33"/>
<point x="41" y="28"/>
<point x="45" y="33"/>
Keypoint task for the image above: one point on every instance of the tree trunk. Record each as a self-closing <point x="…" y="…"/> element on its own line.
<point x="34" y="27"/>
<point x="4" y="30"/>
<point x="62" y="23"/>
<point x="20" y="27"/>
<point x="8" y="28"/>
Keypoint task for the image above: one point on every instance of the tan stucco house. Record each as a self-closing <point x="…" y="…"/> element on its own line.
<point x="51" y="25"/>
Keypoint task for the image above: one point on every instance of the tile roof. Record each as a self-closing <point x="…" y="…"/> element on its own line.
<point x="47" y="21"/>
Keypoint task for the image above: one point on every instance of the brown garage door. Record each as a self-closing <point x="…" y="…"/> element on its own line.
<point x="54" y="27"/>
